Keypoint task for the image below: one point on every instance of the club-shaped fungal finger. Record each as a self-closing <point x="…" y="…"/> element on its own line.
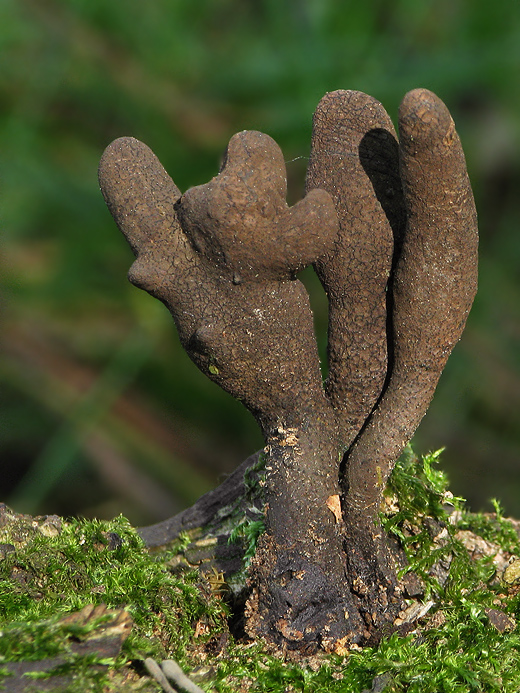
<point x="433" y="288"/>
<point x="436" y="277"/>
<point x="255" y="339"/>
<point x="141" y="197"/>
<point x="224" y="217"/>
<point x="354" y="156"/>
<point x="240" y="219"/>
<point x="139" y="193"/>
<point x="306" y="232"/>
<point x="257" y="160"/>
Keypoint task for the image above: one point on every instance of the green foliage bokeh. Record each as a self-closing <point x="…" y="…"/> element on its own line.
<point x="100" y="410"/>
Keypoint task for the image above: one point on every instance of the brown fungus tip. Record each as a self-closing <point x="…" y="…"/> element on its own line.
<point x="424" y="121"/>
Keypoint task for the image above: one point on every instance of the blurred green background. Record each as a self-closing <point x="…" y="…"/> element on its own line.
<point x="100" y="410"/>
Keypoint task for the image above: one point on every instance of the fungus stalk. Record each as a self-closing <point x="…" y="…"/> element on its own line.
<point x="390" y="228"/>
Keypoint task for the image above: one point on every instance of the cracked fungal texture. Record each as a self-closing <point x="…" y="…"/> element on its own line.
<point x="434" y="284"/>
<point x="240" y="220"/>
<point x="354" y="156"/>
<point x="391" y="231"/>
<point x="222" y="257"/>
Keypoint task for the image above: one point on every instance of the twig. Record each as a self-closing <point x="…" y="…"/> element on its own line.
<point x="173" y="671"/>
<point x="155" y="672"/>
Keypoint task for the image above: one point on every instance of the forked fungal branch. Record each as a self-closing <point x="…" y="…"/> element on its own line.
<point x="390" y="228"/>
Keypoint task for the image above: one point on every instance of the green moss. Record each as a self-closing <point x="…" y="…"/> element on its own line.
<point x="455" y="648"/>
<point x="248" y="532"/>
<point x="493" y="527"/>
<point x="248" y="527"/>
<point x="95" y="562"/>
<point x="422" y="495"/>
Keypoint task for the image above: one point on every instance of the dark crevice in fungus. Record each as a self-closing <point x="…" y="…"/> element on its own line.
<point x="390" y="229"/>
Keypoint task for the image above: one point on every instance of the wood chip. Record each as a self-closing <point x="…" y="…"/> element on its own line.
<point x="334" y="505"/>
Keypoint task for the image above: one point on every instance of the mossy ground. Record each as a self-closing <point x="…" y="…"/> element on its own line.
<point x="59" y="567"/>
